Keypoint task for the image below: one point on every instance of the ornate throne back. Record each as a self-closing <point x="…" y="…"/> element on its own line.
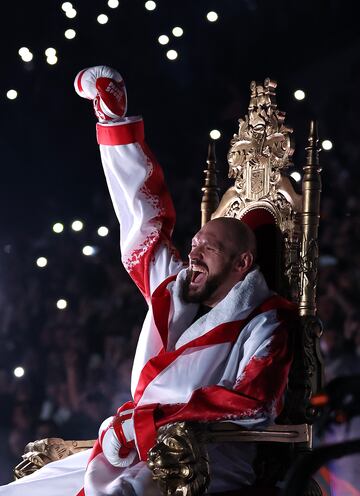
<point x="286" y="226"/>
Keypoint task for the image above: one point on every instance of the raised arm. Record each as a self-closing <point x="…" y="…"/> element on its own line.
<point x="135" y="180"/>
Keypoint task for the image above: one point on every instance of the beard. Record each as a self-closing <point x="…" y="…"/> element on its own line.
<point x="204" y="293"/>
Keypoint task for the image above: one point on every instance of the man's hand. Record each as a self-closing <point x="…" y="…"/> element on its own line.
<point x="116" y="436"/>
<point x="105" y="87"/>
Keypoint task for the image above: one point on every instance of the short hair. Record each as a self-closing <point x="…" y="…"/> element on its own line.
<point x="242" y="235"/>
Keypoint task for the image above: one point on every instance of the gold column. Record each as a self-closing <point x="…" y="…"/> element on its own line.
<point x="310" y="223"/>
<point x="210" y="198"/>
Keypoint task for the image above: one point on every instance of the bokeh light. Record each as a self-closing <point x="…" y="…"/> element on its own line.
<point x="66" y="6"/>
<point x="299" y="95"/>
<point x="41" y="262"/>
<point x="172" y="54"/>
<point x="71" y="13"/>
<point x="163" y="39"/>
<point x="19" y="372"/>
<point x="58" y="227"/>
<point x="23" y="51"/>
<point x="77" y="225"/>
<point x="326" y="145"/>
<point x="12" y="94"/>
<point x="212" y="16"/>
<point x="27" y="57"/>
<point x="296" y="175"/>
<point x="70" y="34"/>
<point x="177" y="32"/>
<point x="102" y="18"/>
<point x="150" y="5"/>
<point x="50" y="52"/>
<point x="113" y="4"/>
<point x="215" y="134"/>
<point x="61" y="304"/>
<point x="89" y="250"/>
<point x="103" y="231"/>
<point x="52" y="60"/>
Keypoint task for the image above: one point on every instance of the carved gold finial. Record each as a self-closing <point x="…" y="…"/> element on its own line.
<point x="210" y="198"/>
<point x="262" y="146"/>
<point x="310" y="224"/>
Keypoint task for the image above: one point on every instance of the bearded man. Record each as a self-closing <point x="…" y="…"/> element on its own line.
<point x="214" y="343"/>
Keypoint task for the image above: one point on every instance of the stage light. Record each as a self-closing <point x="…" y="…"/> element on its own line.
<point x="67" y="6"/>
<point x="71" y="13"/>
<point x="89" y="250"/>
<point x="177" y="32"/>
<point x="41" y="262"/>
<point x="23" y="51"/>
<point x="296" y="175"/>
<point x="19" y="372"/>
<point x="163" y="39"/>
<point x="61" y="304"/>
<point x="113" y="4"/>
<point x="77" y="225"/>
<point x="150" y="5"/>
<point x="299" y="94"/>
<point x="102" y="19"/>
<point x="212" y="16"/>
<point x="326" y="145"/>
<point x="70" y="34"/>
<point x="172" y="54"/>
<point x="50" y="52"/>
<point x="12" y="94"/>
<point x="215" y="134"/>
<point x="27" y="57"/>
<point x="103" y="231"/>
<point x="58" y="227"/>
<point x="52" y="60"/>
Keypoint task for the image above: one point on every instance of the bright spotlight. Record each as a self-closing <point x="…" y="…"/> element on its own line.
<point x="27" y="57"/>
<point x="70" y="34"/>
<point x="171" y="54"/>
<point x="296" y="175"/>
<point x="163" y="39"/>
<point x="89" y="250"/>
<point x="52" y="60"/>
<point x="41" y="262"/>
<point x="150" y="5"/>
<point x="61" y="304"/>
<point x="58" y="227"/>
<point x="12" y="94"/>
<point x="326" y="145"/>
<point x="113" y="4"/>
<point x="71" y="13"/>
<point x="212" y="16"/>
<point x="103" y="231"/>
<point x="177" y="32"/>
<point x="19" y="372"/>
<point x="77" y="225"/>
<point x="50" y="52"/>
<point x="67" y="6"/>
<point x="102" y="19"/>
<point x="215" y="134"/>
<point x="299" y="95"/>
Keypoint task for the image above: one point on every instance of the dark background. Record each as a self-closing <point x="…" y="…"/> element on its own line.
<point x="50" y="163"/>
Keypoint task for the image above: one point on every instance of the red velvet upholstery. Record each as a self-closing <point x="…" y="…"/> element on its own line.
<point x="268" y="247"/>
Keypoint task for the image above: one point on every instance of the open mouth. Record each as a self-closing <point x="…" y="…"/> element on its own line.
<point x="198" y="275"/>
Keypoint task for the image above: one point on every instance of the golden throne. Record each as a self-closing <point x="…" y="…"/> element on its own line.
<point x="286" y="226"/>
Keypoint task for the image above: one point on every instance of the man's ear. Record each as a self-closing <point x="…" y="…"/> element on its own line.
<point x="244" y="262"/>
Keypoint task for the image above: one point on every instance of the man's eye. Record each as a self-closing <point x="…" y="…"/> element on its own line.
<point x="210" y="248"/>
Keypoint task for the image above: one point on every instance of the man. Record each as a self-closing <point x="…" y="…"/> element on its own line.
<point x="214" y="344"/>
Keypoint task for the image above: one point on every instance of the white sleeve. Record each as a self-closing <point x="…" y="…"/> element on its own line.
<point x="142" y="203"/>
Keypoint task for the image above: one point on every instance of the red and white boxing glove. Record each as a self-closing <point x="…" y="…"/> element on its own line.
<point x="116" y="437"/>
<point x="105" y="87"/>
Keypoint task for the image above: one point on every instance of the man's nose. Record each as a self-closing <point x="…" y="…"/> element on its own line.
<point x="195" y="253"/>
